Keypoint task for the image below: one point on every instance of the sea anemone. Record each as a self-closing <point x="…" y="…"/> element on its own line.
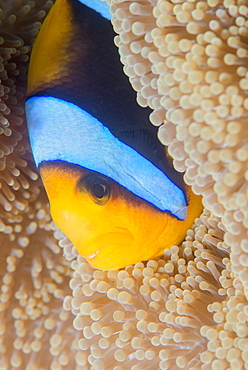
<point x="187" y="60"/>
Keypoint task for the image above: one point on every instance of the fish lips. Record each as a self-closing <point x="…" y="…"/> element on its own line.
<point x="104" y="246"/>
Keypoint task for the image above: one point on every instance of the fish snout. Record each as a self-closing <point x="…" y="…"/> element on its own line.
<point x="109" y="251"/>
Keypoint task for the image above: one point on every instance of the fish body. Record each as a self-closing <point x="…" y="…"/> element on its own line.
<point x="111" y="187"/>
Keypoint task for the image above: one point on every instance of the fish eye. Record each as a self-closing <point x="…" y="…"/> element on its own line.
<point x="97" y="187"/>
<point x="98" y="190"/>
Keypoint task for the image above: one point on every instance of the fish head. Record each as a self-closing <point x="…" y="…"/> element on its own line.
<point x="110" y="227"/>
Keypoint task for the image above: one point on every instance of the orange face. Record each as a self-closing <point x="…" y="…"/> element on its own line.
<point x="111" y="227"/>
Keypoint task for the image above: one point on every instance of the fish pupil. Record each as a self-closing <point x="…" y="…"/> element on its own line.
<point x="98" y="190"/>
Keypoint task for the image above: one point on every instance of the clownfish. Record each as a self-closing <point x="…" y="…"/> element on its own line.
<point x="112" y="189"/>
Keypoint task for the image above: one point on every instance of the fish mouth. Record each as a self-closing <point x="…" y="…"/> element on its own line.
<point x="93" y="255"/>
<point x="106" y="249"/>
<point x="122" y="238"/>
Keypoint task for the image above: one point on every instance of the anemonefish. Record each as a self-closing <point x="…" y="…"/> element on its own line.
<point x="111" y="188"/>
